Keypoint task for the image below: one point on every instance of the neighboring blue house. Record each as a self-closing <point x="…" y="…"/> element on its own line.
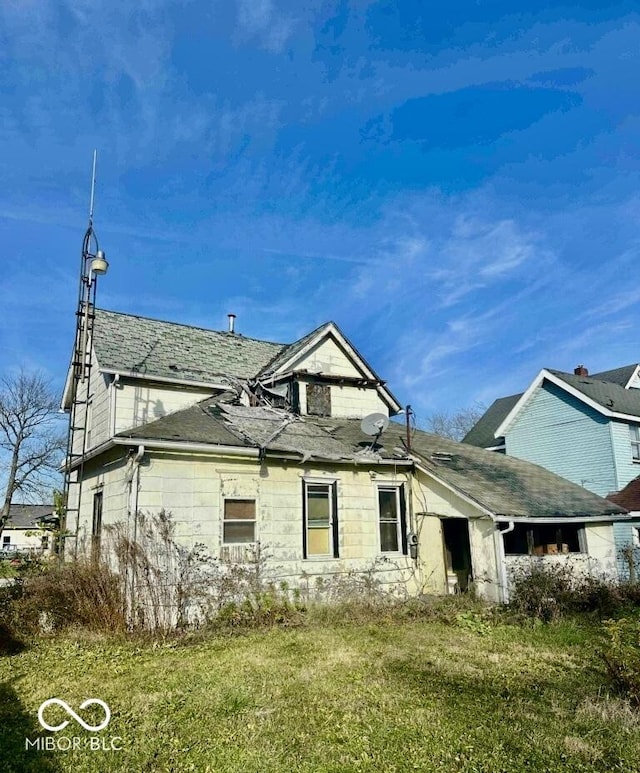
<point x="584" y="428"/>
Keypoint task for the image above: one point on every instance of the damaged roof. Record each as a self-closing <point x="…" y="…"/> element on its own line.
<point x="505" y="486"/>
<point x="126" y="343"/>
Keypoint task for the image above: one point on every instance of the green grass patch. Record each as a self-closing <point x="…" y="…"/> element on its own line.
<point x="415" y="696"/>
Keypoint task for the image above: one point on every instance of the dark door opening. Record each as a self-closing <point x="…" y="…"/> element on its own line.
<point x="457" y="550"/>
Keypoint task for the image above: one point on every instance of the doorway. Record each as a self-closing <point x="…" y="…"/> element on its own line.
<point x="457" y="550"/>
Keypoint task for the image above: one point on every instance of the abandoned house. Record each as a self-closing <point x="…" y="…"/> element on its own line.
<point x="290" y="447"/>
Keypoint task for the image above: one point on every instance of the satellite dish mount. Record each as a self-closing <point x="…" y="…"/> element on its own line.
<point x="374" y="425"/>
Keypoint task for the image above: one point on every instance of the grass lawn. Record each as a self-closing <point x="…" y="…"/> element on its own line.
<point x="418" y="696"/>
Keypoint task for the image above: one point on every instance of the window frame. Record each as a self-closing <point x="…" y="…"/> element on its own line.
<point x="226" y="520"/>
<point x="96" y="524"/>
<point x="401" y="522"/>
<point x="634" y="439"/>
<point x="334" y="536"/>
<point x="533" y="535"/>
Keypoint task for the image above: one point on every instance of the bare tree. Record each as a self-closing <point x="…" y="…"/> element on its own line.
<point x="455" y="424"/>
<point x="30" y="438"/>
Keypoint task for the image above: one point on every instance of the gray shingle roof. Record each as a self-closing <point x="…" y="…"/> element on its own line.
<point x="150" y="347"/>
<point x="619" y="376"/>
<point x="482" y="434"/>
<point x="506" y="486"/>
<point x="27" y="516"/>
<point x="611" y="396"/>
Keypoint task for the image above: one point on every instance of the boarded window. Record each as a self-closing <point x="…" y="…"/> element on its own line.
<point x="239" y="521"/>
<point x="321" y="520"/>
<point x="318" y="400"/>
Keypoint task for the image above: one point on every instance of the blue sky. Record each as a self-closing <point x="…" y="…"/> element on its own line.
<point x="456" y="185"/>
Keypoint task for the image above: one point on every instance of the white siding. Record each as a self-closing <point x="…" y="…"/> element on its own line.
<point x="348" y="401"/>
<point x="137" y="402"/>
<point x="328" y="357"/>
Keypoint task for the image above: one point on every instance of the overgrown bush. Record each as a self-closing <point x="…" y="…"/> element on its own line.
<point x="621" y="655"/>
<point x="548" y="592"/>
<point x="83" y="593"/>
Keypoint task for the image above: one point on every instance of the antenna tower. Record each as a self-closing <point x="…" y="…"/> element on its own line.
<point x="92" y="264"/>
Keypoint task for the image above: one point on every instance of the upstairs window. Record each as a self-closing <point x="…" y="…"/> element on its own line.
<point x="320" y="528"/>
<point x="318" y="400"/>
<point x="239" y="525"/>
<point x="634" y="435"/>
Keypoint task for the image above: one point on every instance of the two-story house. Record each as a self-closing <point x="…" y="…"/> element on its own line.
<point x="584" y="428"/>
<point x="247" y="441"/>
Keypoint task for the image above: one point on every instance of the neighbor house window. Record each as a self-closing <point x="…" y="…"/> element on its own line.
<point x="391" y="514"/>
<point x="6" y="541"/>
<point x="318" y="400"/>
<point x="96" y="528"/>
<point x="544" y="539"/>
<point x="239" y="521"/>
<point x="320" y="533"/>
<point x="634" y="433"/>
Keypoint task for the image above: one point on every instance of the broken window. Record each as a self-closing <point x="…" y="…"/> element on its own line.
<point x="544" y="539"/>
<point x="239" y="521"/>
<point x="320" y="535"/>
<point x="318" y="400"/>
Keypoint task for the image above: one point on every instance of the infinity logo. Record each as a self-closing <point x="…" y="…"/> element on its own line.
<point x="72" y="713"/>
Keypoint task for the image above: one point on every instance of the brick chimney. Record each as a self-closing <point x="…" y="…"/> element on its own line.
<point x="581" y="371"/>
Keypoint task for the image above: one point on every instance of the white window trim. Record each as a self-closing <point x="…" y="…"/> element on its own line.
<point x="224" y="520"/>
<point x="382" y="486"/>
<point x="634" y="439"/>
<point x="332" y="485"/>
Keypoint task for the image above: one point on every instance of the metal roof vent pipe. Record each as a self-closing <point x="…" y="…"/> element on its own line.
<point x="232" y="323"/>
<point x="580" y="371"/>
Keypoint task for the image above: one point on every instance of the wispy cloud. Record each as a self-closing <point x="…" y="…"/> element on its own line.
<point x="261" y="20"/>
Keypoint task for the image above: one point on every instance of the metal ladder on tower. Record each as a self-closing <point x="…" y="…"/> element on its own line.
<point x="92" y="264"/>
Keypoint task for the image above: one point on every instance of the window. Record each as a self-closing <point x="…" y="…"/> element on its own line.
<point x="6" y="541"/>
<point x="544" y="539"/>
<point x="392" y="519"/>
<point x="635" y="536"/>
<point x="239" y="521"/>
<point x="320" y="533"/>
<point x="96" y="528"/>
<point x="634" y="434"/>
<point x="318" y="400"/>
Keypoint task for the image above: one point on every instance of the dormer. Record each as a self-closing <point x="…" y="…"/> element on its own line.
<point x="324" y="375"/>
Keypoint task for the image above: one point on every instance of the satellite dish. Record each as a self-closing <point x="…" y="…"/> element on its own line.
<point x="374" y="424"/>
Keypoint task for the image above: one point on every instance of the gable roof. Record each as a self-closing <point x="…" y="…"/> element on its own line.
<point x="28" y="516"/>
<point x="629" y="496"/>
<point x="620" y="376"/>
<point x="482" y="434"/>
<point x="505" y="487"/>
<point x="606" y="394"/>
<point x="289" y="352"/>
<point x="129" y="344"/>
<point x="609" y="399"/>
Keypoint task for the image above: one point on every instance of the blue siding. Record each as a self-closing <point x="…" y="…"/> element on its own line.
<point x="559" y="432"/>
<point x="626" y="468"/>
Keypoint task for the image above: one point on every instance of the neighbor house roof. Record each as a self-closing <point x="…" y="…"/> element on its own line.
<point x="125" y="343"/>
<point x="506" y="487"/>
<point x="629" y="496"/>
<point x="482" y="434"/>
<point x="28" y="516"/>
<point x="608" y="394"/>
<point x="619" y="376"/>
